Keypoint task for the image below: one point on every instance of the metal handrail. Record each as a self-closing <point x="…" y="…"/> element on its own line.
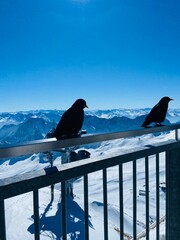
<point x="50" y="144"/>
<point x="38" y="179"/>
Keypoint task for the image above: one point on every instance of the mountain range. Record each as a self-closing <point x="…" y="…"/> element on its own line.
<point x="33" y="125"/>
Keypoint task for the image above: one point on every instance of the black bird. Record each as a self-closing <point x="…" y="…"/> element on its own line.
<point x="157" y="113"/>
<point x="71" y="121"/>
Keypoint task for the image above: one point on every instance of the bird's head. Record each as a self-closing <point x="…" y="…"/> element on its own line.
<point x="80" y="103"/>
<point x="165" y="100"/>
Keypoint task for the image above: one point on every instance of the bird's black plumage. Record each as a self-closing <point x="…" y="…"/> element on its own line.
<point x="71" y="121"/>
<point x="157" y="113"/>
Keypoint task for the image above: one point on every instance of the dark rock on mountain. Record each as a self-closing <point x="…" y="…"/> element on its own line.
<point x="35" y="125"/>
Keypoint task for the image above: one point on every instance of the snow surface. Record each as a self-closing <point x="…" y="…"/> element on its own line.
<point x="19" y="212"/>
<point x="19" y="209"/>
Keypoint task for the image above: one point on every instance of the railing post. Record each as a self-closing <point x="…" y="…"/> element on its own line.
<point x="2" y="221"/>
<point x="176" y="135"/>
<point x="173" y="194"/>
<point x="157" y="197"/>
<point x="36" y="214"/>
<point x="63" y="211"/>
<point x="121" y="202"/>
<point x="105" y="204"/>
<point x="65" y="155"/>
<point x="134" y="200"/>
<point x="147" y="195"/>
<point x="86" y="210"/>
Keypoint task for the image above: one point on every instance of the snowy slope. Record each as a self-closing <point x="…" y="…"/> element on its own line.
<point x="19" y="212"/>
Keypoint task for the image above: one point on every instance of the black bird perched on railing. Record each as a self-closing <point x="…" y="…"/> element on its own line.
<point x="157" y="113"/>
<point x="71" y="121"/>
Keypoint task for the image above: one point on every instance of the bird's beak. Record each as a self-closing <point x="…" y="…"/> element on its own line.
<point x="85" y="106"/>
<point x="171" y="99"/>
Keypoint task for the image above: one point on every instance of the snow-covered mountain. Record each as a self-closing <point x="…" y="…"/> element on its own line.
<point x="30" y="129"/>
<point x="173" y="115"/>
<point x="33" y="125"/>
<point x="20" y="117"/>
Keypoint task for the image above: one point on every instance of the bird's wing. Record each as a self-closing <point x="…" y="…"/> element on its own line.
<point x="70" y="123"/>
<point x="62" y="125"/>
<point x="151" y="117"/>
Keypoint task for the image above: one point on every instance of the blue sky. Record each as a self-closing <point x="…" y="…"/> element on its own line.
<point x="112" y="53"/>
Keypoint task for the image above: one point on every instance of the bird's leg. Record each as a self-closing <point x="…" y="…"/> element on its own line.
<point x="147" y="127"/>
<point x="159" y="124"/>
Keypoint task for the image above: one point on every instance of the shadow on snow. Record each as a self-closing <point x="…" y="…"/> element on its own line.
<point x="51" y="225"/>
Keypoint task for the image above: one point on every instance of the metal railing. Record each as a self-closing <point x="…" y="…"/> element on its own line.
<point x="16" y="185"/>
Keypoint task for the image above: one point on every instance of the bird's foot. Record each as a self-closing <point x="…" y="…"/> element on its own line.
<point x="159" y="125"/>
<point x="146" y="126"/>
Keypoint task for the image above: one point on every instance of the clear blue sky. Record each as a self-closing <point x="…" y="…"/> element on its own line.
<point x="112" y="53"/>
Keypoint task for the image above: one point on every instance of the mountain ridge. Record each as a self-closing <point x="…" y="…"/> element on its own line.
<point x="34" y="126"/>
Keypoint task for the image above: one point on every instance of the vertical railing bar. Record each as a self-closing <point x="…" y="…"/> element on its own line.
<point x="167" y="197"/>
<point x="63" y="212"/>
<point x="2" y="221"/>
<point x="157" y="196"/>
<point x="86" y="210"/>
<point x="176" y="134"/>
<point x="105" y="204"/>
<point x="147" y="195"/>
<point x="134" y="201"/>
<point x="121" y="202"/>
<point x="167" y="165"/>
<point x="36" y="213"/>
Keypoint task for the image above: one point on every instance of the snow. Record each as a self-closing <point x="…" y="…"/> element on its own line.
<point x="19" y="209"/>
<point x="173" y="115"/>
<point x="19" y="212"/>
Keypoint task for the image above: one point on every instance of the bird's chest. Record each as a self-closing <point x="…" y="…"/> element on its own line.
<point x="161" y="114"/>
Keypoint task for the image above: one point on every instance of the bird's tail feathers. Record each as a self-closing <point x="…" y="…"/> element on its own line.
<point x="144" y="124"/>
